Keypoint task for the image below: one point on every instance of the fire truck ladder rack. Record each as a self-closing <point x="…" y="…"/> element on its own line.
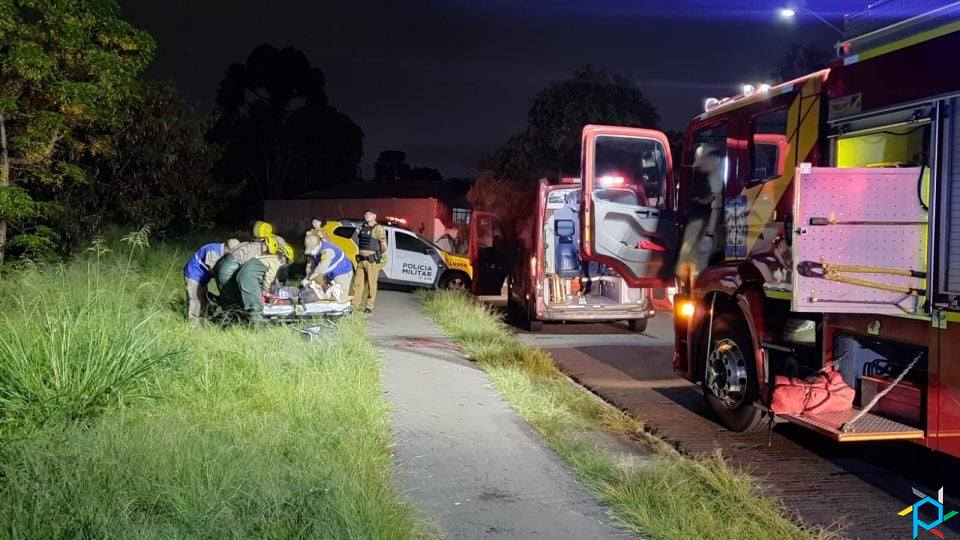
<point x="834" y="272"/>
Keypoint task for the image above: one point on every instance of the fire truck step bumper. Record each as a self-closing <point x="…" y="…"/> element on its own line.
<point x="869" y="428"/>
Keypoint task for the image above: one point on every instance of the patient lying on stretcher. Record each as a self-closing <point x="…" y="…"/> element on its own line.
<point x="321" y="290"/>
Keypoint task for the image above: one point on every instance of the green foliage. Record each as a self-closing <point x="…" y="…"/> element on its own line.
<point x="156" y="171"/>
<point x="550" y="144"/>
<point x="66" y="66"/>
<point x="209" y="433"/>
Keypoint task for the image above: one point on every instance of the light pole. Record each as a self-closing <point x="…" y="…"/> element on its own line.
<point x="789" y="13"/>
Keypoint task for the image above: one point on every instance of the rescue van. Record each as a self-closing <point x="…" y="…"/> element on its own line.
<point x="548" y="282"/>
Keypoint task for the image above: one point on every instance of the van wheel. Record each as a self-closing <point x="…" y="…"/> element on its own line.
<point x="730" y="383"/>
<point x="455" y="281"/>
<point x="534" y="325"/>
<point x="637" y="325"/>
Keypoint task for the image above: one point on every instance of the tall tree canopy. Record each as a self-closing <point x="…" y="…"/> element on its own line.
<point x="158" y="173"/>
<point x="550" y="144"/>
<point x="392" y="165"/>
<point x="64" y="66"/>
<point x="800" y="60"/>
<point x="280" y="134"/>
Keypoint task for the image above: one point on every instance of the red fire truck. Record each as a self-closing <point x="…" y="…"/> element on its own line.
<point x="838" y="245"/>
<point x="547" y="280"/>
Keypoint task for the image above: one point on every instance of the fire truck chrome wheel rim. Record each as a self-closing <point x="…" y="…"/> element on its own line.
<point x="727" y="373"/>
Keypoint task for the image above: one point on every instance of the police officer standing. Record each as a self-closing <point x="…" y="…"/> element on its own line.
<point x="373" y="244"/>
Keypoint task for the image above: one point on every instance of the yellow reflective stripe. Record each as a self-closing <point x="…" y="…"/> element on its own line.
<point x="906" y="42"/>
<point x="778" y="295"/>
<point x="762" y="200"/>
<point x="907" y="511"/>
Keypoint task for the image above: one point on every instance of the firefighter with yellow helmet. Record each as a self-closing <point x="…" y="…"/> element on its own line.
<point x="251" y="271"/>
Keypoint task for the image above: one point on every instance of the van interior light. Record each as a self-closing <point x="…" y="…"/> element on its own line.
<point x="748" y="90"/>
<point x="687" y="309"/>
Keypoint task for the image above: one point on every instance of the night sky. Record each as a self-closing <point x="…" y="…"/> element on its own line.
<point x="449" y="80"/>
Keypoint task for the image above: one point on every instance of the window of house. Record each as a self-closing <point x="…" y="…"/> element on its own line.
<point x="768" y="145"/>
<point x="461" y="215"/>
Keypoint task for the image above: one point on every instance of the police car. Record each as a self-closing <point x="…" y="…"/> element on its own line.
<point x="411" y="260"/>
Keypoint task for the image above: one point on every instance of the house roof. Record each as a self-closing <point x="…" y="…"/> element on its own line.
<point x="445" y="190"/>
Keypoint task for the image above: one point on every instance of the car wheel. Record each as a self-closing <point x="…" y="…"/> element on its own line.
<point x="455" y="281"/>
<point x="730" y="383"/>
<point x="637" y="325"/>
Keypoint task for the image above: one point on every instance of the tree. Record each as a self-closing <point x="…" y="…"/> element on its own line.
<point x="550" y="144"/>
<point x="280" y="135"/>
<point x="424" y="174"/>
<point x="800" y="60"/>
<point x="158" y="173"/>
<point x="64" y="66"/>
<point x="391" y="165"/>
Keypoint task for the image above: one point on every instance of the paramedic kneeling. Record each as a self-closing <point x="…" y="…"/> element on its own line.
<point x="198" y="272"/>
<point x="373" y="244"/>
<point x="329" y="262"/>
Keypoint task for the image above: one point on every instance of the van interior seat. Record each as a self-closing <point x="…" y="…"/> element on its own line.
<point x="567" y="251"/>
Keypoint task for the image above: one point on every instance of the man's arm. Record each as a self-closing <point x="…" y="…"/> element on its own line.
<point x="382" y="236"/>
<point x="326" y="258"/>
<point x="210" y="259"/>
<point x="273" y="268"/>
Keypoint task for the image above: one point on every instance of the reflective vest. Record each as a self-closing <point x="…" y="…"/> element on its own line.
<point x="196" y="269"/>
<point x="340" y="264"/>
<point x="367" y="241"/>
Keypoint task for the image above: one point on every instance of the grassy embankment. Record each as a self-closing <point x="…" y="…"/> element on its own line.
<point x="117" y="420"/>
<point x="666" y="497"/>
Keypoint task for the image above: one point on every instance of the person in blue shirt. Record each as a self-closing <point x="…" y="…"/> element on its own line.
<point x="198" y="272"/>
<point x="330" y="262"/>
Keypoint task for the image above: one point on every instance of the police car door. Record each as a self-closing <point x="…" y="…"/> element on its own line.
<point x="413" y="261"/>
<point x="628" y="220"/>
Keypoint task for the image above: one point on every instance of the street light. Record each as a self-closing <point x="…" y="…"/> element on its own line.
<point x="788" y="13"/>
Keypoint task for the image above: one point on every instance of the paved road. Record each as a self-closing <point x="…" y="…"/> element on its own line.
<point x="862" y="486"/>
<point x="464" y="457"/>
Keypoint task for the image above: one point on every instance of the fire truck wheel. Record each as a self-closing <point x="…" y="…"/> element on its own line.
<point x="455" y="281"/>
<point x="730" y="383"/>
<point x="637" y="325"/>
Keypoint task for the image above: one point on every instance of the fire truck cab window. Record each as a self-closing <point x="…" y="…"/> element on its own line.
<point x="768" y="146"/>
<point x="632" y="163"/>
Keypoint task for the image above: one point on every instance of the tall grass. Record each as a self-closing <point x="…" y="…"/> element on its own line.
<point x="669" y="497"/>
<point x="236" y="432"/>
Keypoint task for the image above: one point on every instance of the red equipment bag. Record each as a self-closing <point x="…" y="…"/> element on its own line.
<point x="821" y="393"/>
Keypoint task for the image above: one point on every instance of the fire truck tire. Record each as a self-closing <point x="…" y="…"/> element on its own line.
<point x="455" y="281"/>
<point x="730" y="383"/>
<point x="637" y="325"/>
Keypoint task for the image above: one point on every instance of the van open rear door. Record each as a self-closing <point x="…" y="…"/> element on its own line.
<point x="488" y="253"/>
<point x="628" y="218"/>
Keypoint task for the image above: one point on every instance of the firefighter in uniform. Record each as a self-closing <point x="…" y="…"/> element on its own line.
<point x="373" y="244"/>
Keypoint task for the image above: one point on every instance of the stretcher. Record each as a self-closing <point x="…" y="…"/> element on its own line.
<point x="283" y="311"/>
<point x="289" y="312"/>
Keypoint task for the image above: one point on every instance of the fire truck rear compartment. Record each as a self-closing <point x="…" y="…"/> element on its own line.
<point x="870" y="366"/>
